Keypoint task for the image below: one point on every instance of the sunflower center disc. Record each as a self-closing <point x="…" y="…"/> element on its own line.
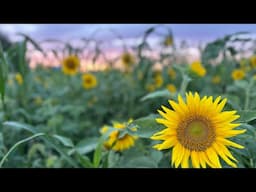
<point x="196" y="134"/>
<point x="71" y="65"/>
<point x="88" y="81"/>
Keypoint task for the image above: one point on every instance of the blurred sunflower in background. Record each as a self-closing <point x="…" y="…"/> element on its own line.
<point x="70" y="65"/>
<point x="253" y="61"/>
<point x="238" y="74"/>
<point x="171" y="72"/>
<point x="168" y="41"/>
<point x="19" y="78"/>
<point x="171" y="88"/>
<point x="89" y="81"/>
<point x="216" y="79"/>
<point x="116" y="143"/>
<point x="127" y="59"/>
<point x="198" y="68"/>
<point x="150" y="87"/>
<point x="198" y="130"/>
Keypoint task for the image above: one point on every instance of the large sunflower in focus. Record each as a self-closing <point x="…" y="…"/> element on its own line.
<point x="70" y="65"/>
<point x="198" y="130"/>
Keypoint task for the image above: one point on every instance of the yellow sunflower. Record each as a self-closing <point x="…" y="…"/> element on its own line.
<point x="238" y="74"/>
<point x="158" y="80"/>
<point x="253" y="61"/>
<point x="127" y="59"/>
<point x="119" y="144"/>
<point x="198" y="69"/>
<point x="19" y="78"/>
<point x="172" y="73"/>
<point x="168" y="41"/>
<point x="150" y="87"/>
<point x="70" y="65"/>
<point x="89" y="81"/>
<point x="198" y="130"/>
<point x="216" y="79"/>
<point x="171" y="88"/>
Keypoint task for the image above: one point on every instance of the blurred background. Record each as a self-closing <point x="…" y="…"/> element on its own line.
<point x="113" y="38"/>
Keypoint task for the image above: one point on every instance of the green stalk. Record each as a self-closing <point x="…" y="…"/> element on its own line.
<point x="16" y="145"/>
<point x="247" y="95"/>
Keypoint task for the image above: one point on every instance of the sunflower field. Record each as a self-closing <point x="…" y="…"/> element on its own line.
<point x="199" y="114"/>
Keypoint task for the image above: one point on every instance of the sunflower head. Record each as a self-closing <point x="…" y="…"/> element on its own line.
<point x="253" y="61"/>
<point x="19" y="78"/>
<point x="89" y="81"/>
<point x="119" y="144"/>
<point x="198" y="130"/>
<point x="127" y="59"/>
<point x="70" y="65"/>
<point x="171" y="88"/>
<point x="158" y="80"/>
<point x="150" y="87"/>
<point x="172" y="73"/>
<point x="216" y="79"/>
<point x="238" y="74"/>
<point x="168" y="41"/>
<point x="198" y="69"/>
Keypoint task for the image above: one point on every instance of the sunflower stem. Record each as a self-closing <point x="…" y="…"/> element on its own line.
<point x="247" y="95"/>
<point x="185" y="80"/>
<point x="17" y="144"/>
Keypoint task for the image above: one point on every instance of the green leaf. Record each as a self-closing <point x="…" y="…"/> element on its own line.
<point x="85" y="161"/>
<point x="161" y="93"/>
<point x="20" y="126"/>
<point x="64" y="140"/>
<point x="156" y="155"/>
<point x="33" y="42"/>
<point x="113" y="159"/>
<point x="48" y="140"/>
<point x="98" y="152"/>
<point x="87" y="145"/>
<point x="17" y="144"/>
<point x="246" y="116"/>
<point x="147" y="126"/>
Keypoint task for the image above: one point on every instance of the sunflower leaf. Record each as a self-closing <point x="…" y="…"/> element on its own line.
<point x="147" y="126"/>
<point x="87" y="145"/>
<point x="247" y="116"/>
<point x="64" y="140"/>
<point x="161" y="93"/>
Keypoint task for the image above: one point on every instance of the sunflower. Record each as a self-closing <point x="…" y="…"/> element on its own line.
<point x="19" y="78"/>
<point x="198" y="69"/>
<point x="158" y="80"/>
<point x="89" y="81"/>
<point x="253" y="61"/>
<point x="70" y="65"/>
<point x="198" y="130"/>
<point x="216" y="79"/>
<point x="168" y="41"/>
<point x="171" y="88"/>
<point x="127" y="59"/>
<point x="238" y="74"/>
<point x="150" y="87"/>
<point x="119" y="144"/>
<point x="172" y="73"/>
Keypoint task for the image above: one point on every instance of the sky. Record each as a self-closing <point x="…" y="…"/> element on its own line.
<point x="188" y="32"/>
<point x="193" y="34"/>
